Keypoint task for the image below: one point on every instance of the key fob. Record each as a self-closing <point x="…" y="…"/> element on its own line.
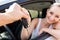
<point x="24" y="22"/>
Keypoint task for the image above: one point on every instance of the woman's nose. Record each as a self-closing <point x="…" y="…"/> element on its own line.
<point x="52" y="18"/>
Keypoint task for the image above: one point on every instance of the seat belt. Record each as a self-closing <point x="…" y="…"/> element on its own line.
<point x="42" y="36"/>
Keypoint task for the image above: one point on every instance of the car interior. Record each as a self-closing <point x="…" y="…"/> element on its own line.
<point x="36" y="9"/>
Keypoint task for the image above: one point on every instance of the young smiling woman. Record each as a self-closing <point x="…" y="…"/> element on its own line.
<point x="48" y="24"/>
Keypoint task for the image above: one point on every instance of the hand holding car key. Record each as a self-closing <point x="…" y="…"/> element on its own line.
<point x="17" y="12"/>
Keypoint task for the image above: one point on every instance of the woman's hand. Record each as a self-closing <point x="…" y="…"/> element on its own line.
<point x="55" y="33"/>
<point x="17" y="12"/>
<point x="41" y="31"/>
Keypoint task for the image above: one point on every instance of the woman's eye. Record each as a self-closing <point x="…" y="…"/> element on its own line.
<point x="57" y="16"/>
<point x="51" y="13"/>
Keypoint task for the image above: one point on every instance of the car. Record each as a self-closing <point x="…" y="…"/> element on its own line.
<point x="36" y="9"/>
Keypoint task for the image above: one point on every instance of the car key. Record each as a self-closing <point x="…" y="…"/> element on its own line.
<point x="24" y="22"/>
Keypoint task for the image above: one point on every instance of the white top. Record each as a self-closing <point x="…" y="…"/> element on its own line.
<point x="36" y="30"/>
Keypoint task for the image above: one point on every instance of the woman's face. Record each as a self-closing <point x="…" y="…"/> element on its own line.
<point x="53" y="15"/>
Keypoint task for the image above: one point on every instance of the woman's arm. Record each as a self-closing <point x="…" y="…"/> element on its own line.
<point x="27" y="32"/>
<point x="53" y="32"/>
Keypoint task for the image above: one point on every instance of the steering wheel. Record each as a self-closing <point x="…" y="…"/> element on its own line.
<point x="16" y="32"/>
<point x="23" y="22"/>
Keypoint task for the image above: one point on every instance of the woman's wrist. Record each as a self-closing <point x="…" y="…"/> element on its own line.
<point x="45" y="29"/>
